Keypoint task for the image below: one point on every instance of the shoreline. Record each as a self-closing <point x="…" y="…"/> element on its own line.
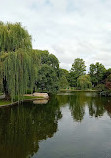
<point x="71" y="90"/>
<point x="19" y="102"/>
<point x="26" y="98"/>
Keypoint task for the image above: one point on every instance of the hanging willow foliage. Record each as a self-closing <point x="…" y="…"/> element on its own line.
<point x="13" y="37"/>
<point x="19" y="64"/>
<point x="19" y="72"/>
<point x="3" y="56"/>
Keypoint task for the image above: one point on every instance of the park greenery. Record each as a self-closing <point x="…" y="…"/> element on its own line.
<point x="26" y="70"/>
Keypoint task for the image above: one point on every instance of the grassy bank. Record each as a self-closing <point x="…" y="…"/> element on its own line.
<point x="4" y="102"/>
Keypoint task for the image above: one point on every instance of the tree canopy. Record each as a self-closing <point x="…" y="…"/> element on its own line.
<point x="47" y="58"/>
<point x="78" y="69"/>
<point x="48" y="73"/>
<point x="97" y="72"/>
<point x="84" y="82"/>
<point x="47" y="79"/>
<point x="63" y="76"/>
<point x="19" y="72"/>
<point x="13" y="37"/>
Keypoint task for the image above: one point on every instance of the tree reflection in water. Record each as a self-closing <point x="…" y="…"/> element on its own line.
<point x="78" y="101"/>
<point x="23" y="127"/>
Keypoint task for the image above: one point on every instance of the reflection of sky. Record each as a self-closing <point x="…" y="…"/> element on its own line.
<point x="67" y="28"/>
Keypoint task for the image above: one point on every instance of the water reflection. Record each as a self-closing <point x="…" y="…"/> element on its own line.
<point x="23" y="127"/>
<point x="42" y="101"/>
<point x="78" y="101"/>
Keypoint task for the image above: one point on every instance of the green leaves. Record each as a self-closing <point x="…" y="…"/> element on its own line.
<point x="13" y="37"/>
<point x="84" y="82"/>
<point x="47" y="79"/>
<point x="97" y="72"/>
<point x="19" y="72"/>
<point x="78" y="69"/>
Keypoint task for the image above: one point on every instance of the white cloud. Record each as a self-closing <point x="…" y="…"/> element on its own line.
<point x="67" y="28"/>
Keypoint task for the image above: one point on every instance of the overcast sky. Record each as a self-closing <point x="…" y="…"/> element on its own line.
<point x="67" y="28"/>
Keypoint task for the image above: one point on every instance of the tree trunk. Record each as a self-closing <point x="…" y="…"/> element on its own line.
<point x="7" y="95"/>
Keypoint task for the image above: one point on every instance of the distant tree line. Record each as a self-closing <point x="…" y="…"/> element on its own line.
<point x="98" y="77"/>
<point x="23" y="69"/>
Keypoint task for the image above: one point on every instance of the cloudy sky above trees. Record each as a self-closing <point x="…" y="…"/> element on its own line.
<point x="67" y="28"/>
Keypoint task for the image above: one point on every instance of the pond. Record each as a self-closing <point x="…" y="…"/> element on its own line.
<point x="70" y="125"/>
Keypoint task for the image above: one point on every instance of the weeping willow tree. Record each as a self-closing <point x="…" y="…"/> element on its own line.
<point x="17" y="61"/>
<point x="13" y="37"/>
<point x="19" y="64"/>
<point x="84" y="82"/>
<point x="2" y="58"/>
<point x="18" y="72"/>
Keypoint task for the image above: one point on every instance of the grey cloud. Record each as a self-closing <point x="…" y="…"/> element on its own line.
<point x="67" y="28"/>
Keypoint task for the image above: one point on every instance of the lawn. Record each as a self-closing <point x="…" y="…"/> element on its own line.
<point x="4" y="102"/>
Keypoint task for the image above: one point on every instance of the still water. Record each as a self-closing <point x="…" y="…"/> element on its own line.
<point x="70" y="125"/>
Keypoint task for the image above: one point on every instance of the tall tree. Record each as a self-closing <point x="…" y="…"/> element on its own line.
<point x="48" y="74"/>
<point x="97" y="72"/>
<point x="17" y="68"/>
<point x="78" y="69"/>
<point x="47" y="79"/>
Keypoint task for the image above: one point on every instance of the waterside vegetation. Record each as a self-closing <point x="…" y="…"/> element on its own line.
<point x="26" y="70"/>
